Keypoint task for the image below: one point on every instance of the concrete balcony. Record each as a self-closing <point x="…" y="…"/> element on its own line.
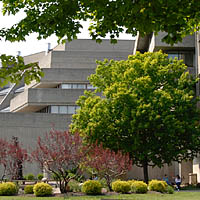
<point x="34" y="99"/>
<point x="154" y="42"/>
<point x="53" y="77"/>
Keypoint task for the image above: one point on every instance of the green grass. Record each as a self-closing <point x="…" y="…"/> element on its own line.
<point x="175" y="196"/>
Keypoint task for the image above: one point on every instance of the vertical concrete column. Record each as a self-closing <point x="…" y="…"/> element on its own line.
<point x="196" y="167"/>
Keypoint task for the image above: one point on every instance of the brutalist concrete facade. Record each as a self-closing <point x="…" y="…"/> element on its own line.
<point x="34" y="109"/>
<point x="29" y="111"/>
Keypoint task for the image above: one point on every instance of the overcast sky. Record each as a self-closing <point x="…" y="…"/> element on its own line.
<point x="32" y="45"/>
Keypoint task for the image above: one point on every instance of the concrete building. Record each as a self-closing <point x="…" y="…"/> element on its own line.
<point x="29" y="111"/>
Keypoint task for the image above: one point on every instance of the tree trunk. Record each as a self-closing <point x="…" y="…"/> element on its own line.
<point x="63" y="187"/>
<point x="108" y="183"/>
<point x="145" y="171"/>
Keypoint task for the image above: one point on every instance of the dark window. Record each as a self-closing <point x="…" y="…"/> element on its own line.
<point x="186" y="56"/>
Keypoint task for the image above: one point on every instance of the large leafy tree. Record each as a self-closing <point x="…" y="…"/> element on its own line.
<point x="147" y="108"/>
<point x="60" y="17"/>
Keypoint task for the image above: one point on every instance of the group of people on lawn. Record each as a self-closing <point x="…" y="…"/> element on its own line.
<point x="177" y="181"/>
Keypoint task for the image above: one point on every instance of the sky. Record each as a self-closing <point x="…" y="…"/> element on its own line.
<point x="32" y="45"/>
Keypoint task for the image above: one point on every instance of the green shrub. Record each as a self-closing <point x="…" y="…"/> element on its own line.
<point x="8" y="189"/>
<point x="74" y="186"/>
<point x="42" y="189"/>
<point x="30" y="177"/>
<point x="121" y="186"/>
<point x="139" y="187"/>
<point x="130" y="182"/>
<point x="40" y="177"/>
<point x="158" y="186"/>
<point x="28" y="189"/>
<point x="170" y="189"/>
<point x="91" y="187"/>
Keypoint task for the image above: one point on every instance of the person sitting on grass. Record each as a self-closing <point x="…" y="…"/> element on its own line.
<point x="166" y="179"/>
<point x="178" y="182"/>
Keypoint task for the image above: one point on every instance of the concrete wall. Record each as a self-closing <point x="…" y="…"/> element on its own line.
<point x="32" y="99"/>
<point x="28" y="126"/>
<point x="55" y="76"/>
<point x="188" y="42"/>
<point x="34" y="57"/>
<point x="154" y="173"/>
<point x="196" y="168"/>
<point x="105" y="45"/>
<point x="83" y="59"/>
<point x="186" y="169"/>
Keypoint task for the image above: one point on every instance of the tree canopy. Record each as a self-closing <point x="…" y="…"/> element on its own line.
<point x="60" y="17"/>
<point x="147" y="108"/>
<point x="63" y="18"/>
<point x="14" y="69"/>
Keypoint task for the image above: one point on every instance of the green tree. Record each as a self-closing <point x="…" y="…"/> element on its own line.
<point x="60" y="17"/>
<point x="14" y="69"/>
<point x="147" y="108"/>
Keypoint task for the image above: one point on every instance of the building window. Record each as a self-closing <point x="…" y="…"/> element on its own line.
<point x="68" y="109"/>
<point x="186" y="56"/>
<point x="77" y="86"/>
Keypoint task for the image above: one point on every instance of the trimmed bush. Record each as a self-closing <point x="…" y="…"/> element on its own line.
<point x="91" y="187"/>
<point x="130" y="182"/>
<point x="158" y="186"/>
<point x="30" y="177"/>
<point x="121" y="186"/>
<point x="139" y="187"/>
<point x="40" y="177"/>
<point x="170" y="189"/>
<point x="28" y="189"/>
<point x="42" y="189"/>
<point x="8" y="189"/>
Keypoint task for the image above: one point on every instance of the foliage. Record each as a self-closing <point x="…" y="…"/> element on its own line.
<point x="13" y="157"/>
<point x="59" y="152"/>
<point x="30" y="177"/>
<point x="14" y="69"/>
<point x="40" y="176"/>
<point x="91" y="187"/>
<point x="74" y="186"/>
<point x="170" y="189"/>
<point x="105" y="163"/>
<point x="148" y="196"/>
<point x="28" y="189"/>
<point x="49" y="17"/>
<point x="121" y="186"/>
<point x="139" y="187"/>
<point x="147" y="109"/>
<point x="130" y="182"/>
<point x="158" y="186"/>
<point x="8" y="189"/>
<point x="42" y="189"/>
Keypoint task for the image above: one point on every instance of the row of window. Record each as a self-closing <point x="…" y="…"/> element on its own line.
<point x="66" y="109"/>
<point x="76" y="86"/>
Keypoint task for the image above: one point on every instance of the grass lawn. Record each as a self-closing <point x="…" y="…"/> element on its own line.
<point x="175" y="196"/>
